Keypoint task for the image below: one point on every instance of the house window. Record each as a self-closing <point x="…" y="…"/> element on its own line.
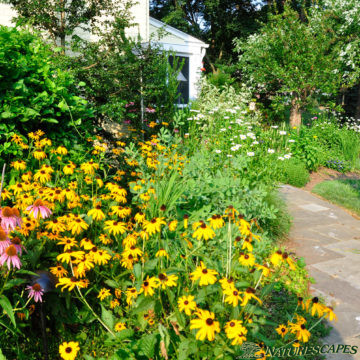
<point x="183" y="78"/>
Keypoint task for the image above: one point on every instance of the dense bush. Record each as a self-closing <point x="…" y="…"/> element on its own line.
<point x="33" y="91"/>
<point x="294" y="172"/>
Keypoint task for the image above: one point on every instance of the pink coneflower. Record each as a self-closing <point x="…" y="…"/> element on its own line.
<point x="39" y="208"/>
<point x="10" y="218"/>
<point x="35" y="291"/>
<point x="129" y="104"/>
<point x="150" y="110"/>
<point x="127" y="121"/>
<point x="10" y="257"/>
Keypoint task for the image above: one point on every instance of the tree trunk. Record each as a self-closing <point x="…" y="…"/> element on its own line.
<point x="357" y="113"/>
<point x="295" y="113"/>
<point x="62" y="26"/>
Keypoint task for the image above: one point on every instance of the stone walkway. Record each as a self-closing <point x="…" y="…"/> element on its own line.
<point x="329" y="240"/>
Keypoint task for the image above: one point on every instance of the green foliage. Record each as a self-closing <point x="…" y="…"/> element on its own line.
<point x="294" y="172"/>
<point x="33" y="91"/>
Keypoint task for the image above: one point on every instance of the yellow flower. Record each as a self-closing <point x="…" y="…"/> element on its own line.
<point x="68" y="351"/>
<point x="265" y="270"/>
<point x="248" y="295"/>
<point x="232" y="297"/>
<point x="153" y="226"/>
<point x="203" y="231"/>
<point x="39" y="154"/>
<point x="206" y="324"/>
<point x="316" y="307"/>
<point x="58" y="271"/>
<point x="68" y="242"/>
<point x="216" y="222"/>
<point x="120" y="326"/>
<point x="61" y="150"/>
<point x="148" y="286"/>
<point x="89" y="167"/>
<point x="235" y="331"/>
<point x="227" y="284"/>
<point x="115" y="227"/>
<point x="329" y="311"/>
<point x="96" y="213"/>
<point x="77" y="225"/>
<point x="162" y="253"/>
<point x="131" y="294"/>
<point x="139" y="217"/>
<point x="206" y="276"/>
<point x="247" y="259"/>
<point x="100" y="257"/>
<point x="19" y="165"/>
<point x="282" y="330"/>
<point x="276" y="258"/>
<point x="187" y="304"/>
<point x="103" y="294"/>
<point x="70" y="283"/>
<point x="42" y="176"/>
<point x="172" y="225"/>
<point x="166" y="280"/>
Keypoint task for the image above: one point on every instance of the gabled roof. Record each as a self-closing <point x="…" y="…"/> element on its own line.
<point x="177" y="33"/>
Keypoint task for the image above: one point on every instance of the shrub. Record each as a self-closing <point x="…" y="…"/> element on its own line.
<point x="294" y="172"/>
<point x="33" y="90"/>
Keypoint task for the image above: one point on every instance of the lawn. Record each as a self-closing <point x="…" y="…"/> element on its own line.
<point x="345" y="193"/>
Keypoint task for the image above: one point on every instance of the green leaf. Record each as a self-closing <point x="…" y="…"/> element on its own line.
<point x="14" y="282"/>
<point x="2" y="357"/>
<point x="6" y="114"/>
<point x="107" y="317"/>
<point x="111" y="283"/>
<point x="137" y="271"/>
<point x="147" y="345"/>
<point x="145" y="304"/>
<point x="6" y="305"/>
<point x="125" y="334"/>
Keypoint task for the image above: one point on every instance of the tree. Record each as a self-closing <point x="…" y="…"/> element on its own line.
<point x="59" y="18"/>
<point x="292" y="56"/>
<point x="217" y="22"/>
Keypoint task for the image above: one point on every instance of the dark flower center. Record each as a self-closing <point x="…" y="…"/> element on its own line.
<point x="232" y="324"/>
<point x="186" y="302"/>
<point x="36" y="287"/>
<point x="204" y="271"/>
<point x="282" y="329"/>
<point x="153" y="221"/>
<point x="146" y="283"/>
<point x="209" y="321"/>
<point x="302" y="327"/>
<point x="235" y="293"/>
<point x="246" y="256"/>
<point x="162" y="277"/>
<point x="203" y="226"/>
<point x="68" y="350"/>
<point x="315" y="300"/>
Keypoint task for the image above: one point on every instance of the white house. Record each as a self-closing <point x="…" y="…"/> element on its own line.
<point x="187" y="47"/>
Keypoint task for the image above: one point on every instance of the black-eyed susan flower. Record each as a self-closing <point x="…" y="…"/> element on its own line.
<point x="282" y="330"/>
<point x="131" y="294"/>
<point x="96" y="213"/>
<point x="154" y="225"/>
<point x="69" y="168"/>
<point x="248" y="295"/>
<point x="148" y="286"/>
<point x="68" y="243"/>
<point x="166" y="280"/>
<point x="99" y="256"/>
<point x="39" y="154"/>
<point x="70" y="255"/>
<point x="264" y="269"/>
<point x="55" y="226"/>
<point x="187" y="304"/>
<point x="86" y="244"/>
<point x="77" y="226"/>
<point x="69" y="351"/>
<point x="162" y="253"/>
<point x="206" y="276"/>
<point x="119" y="326"/>
<point x="227" y="284"/>
<point x="216" y="222"/>
<point x="232" y="297"/>
<point x="19" y="165"/>
<point x="247" y="260"/>
<point x="186" y="221"/>
<point x="203" y="232"/>
<point x="173" y="225"/>
<point x="103" y="294"/>
<point x="89" y="167"/>
<point x="58" y="271"/>
<point x="114" y="303"/>
<point x="290" y="261"/>
<point x="276" y="258"/>
<point x="115" y="227"/>
<point x="206" y="324"/>
<point x="70" y="283"/>
<point x="301" y="302"/>
<point x="61" y="150"/>
<point x="329" y="311"/>
<point x="316" y="307"/>
<point x="104" y="239"/>
<point x="139" y="217"/>
<point x="236" y="332"/>
<point x="121" y="211"/>
<point x="247" y="244"/>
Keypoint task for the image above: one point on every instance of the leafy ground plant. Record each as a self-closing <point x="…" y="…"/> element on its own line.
<point x="345" y="193"/>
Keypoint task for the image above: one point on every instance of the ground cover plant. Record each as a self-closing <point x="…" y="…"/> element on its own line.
<point x="341" y="192"/>
<point x="121" y="266"/>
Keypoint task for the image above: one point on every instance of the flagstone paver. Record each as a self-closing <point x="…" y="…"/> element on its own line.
<point x="329" y="240"/>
